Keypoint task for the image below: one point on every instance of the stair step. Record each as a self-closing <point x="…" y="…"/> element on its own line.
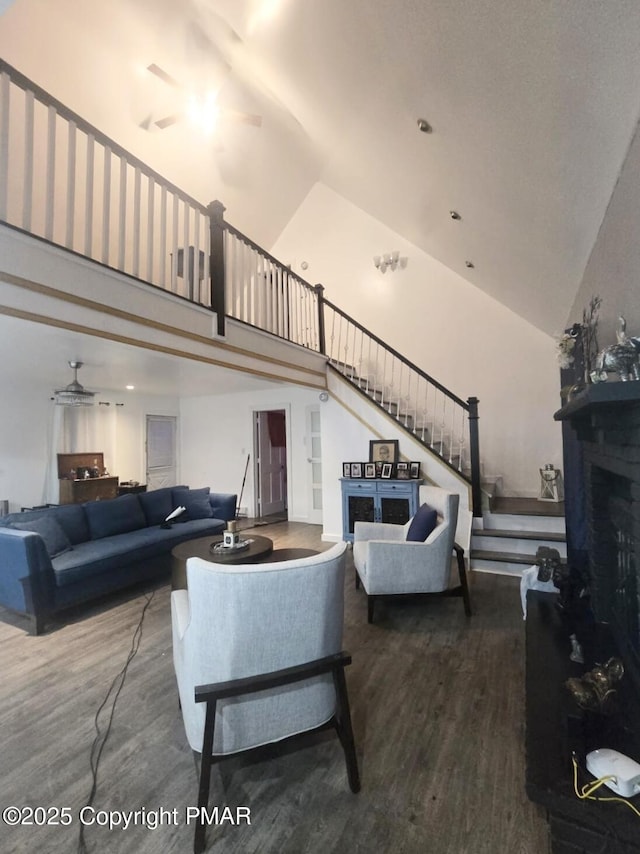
<point x="549" y="536"/>
<point x="526" y="506"/>
<point x="503" y="557"/>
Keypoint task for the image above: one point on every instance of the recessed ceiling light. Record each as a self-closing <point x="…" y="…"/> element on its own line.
<point x="469" y="264"/>
<point x="130" y="387"/>
<point x="424" y="126"/>
<point x="454" y="215"/>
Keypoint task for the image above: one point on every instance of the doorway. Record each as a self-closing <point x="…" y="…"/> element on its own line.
<point x="270" y="455"/>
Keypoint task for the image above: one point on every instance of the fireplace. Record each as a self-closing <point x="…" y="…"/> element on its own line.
<point x="605" y="421"/>
<point x="614" y="515"/>
<point x="601" y="432"/>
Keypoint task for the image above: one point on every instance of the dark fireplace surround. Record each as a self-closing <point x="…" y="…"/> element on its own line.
<point x="601" y="432"/>
<point x="605" y="420"/>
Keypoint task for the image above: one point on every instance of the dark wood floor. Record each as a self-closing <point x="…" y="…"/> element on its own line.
<point x="438" y="710"/>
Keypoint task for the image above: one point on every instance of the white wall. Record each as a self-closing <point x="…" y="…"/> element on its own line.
<point x="447" y="326"/>
<point x="26" y="427"/>
<point x="216" y="437"/>
<point x="613" y="271"/>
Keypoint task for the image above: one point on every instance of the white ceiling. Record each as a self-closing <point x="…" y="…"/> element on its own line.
<point x="533" y="105"/>
<point x="35" y="356"/>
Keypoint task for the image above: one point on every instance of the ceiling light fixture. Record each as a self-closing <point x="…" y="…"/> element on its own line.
<point x="424" y="126"/>
<point x="129" y="387"/>
<point x="390" y="261"/>
<point x="454" y="215"/>
<point x="74" y="394"/>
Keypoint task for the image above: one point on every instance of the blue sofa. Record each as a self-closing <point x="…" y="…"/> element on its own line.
<point x="56" y="557"/>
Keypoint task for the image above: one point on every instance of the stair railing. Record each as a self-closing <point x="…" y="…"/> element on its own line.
<point x="433" y="415"/>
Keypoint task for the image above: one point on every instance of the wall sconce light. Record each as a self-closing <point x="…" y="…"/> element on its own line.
<point x="390" y="260"/>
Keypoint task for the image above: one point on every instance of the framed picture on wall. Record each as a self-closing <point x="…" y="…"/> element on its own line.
<point x="356" y="469"/>
<point x="383" y="450"/>
<point x="369" y="469"/>
<point x="387" y="469"/>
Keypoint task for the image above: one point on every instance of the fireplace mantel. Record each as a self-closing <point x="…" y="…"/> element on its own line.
<point x="597" y="397"/>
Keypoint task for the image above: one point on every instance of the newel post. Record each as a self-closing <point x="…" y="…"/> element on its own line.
<point x="474" y="451"/>
<point x="319" y="289"/>
<point x="216" y="261"/>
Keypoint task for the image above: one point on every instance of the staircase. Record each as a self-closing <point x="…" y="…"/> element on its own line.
<point x="437" y="419"/>
<point x="512" y="530"/>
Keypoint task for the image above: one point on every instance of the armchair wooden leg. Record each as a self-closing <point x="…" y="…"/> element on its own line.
<point x="370" y="603"/>
<point x="345" y="730"/>
<point x="462" y="572"/>
<point x="205" y="775"/>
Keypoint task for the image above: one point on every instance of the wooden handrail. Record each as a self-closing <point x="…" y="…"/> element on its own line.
<point x="399" y="356"/>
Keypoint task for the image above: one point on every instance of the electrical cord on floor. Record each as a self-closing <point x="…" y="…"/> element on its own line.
<point x="101" y="737"/>
<point x="586" y="791"/>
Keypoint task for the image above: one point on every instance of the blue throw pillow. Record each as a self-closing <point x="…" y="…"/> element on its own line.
<point x="422" y="524"/>
<point x="157" y="504"/>
<point x="196" y="501"/>
<point x="55" y="540"/>
<point x="114" y="516"/>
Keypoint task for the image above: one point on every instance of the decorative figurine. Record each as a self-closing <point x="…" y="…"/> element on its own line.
<point x="622" y="358"/>
<point x="595" y="690"/>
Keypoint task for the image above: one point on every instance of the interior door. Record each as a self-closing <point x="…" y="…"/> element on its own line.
<point x="314" y="459"/>
<point x="161" y="451"/>
<point x="271" y="461"/>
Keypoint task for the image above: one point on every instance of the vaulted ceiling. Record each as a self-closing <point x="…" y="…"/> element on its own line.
<point x="532" y="106"/>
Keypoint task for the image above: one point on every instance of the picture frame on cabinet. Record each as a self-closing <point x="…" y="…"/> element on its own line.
<point x="387" y="469"/>
<point x="356" y="469"/>
<point x="383" y="450"/>
<point x="346" y="469"/>
<point x="370" y="470"/>
<point x="414" y="469"/>
<point x="402" y="471"/>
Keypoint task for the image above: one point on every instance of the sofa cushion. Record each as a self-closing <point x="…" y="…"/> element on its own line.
<point x="156" y="505"/>
<point x="196" y="502"/>
<point x="73" y="521"/>
<point x="114" y="516"/>
<point x="56" y="541"/>
<point x="422" y="524"/>
<point x="109" y="554"/>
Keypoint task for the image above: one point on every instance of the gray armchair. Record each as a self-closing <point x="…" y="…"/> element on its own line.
<point x="257" y="651"/>
<point x="388" y="564"/>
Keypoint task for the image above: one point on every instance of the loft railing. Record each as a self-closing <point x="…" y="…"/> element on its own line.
<point x="261" y="291"/>
<point x="63" y="180"/>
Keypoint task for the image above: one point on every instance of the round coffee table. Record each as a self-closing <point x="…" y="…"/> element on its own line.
<point x="257" y="550"/>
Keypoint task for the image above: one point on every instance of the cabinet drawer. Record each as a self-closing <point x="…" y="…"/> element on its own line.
<point x="360" y="488"/>
<point x="395" y="488"/>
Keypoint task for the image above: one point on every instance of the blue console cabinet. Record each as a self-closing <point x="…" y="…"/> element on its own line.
<point x="377" y="500"/>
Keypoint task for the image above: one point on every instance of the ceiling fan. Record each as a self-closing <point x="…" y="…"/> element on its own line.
<point x="206" y="106"/>
<point x="74" y="394"/>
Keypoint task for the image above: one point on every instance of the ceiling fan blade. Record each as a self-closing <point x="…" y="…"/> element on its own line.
<point x="244" y="118"/>
<point x="168" y="121"/>
<point x="162" y="74"/>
